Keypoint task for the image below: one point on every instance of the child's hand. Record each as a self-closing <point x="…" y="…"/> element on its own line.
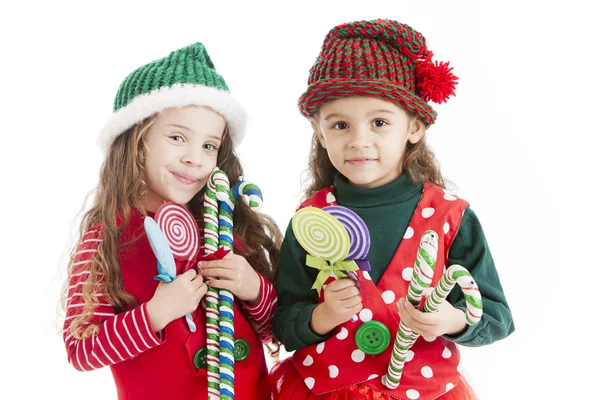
<point x="175" y="299"/>
<point x="342" y="301"/>
<point x="234" y="274"/>
<point x="447" y="320"/>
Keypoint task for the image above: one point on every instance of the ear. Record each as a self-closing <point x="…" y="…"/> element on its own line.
<point x="317" y="130"/>
<point x="416" y="130"/>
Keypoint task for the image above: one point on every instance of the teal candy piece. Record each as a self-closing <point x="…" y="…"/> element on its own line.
<point x="160" y="248"/>
<point x="163" y="277"/>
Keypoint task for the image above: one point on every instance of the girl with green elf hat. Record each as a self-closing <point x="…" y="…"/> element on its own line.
<point x="174" y="121"/>
<point x="368" y="103"/>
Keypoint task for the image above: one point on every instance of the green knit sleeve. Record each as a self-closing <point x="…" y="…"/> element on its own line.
<point x="296" y="299"/>
<point x="470" y="249"/>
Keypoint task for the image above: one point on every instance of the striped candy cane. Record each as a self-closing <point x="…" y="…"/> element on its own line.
<point x="457" y="273"/>
<point x="249" y="192"/>
<point x="226" y="299"/>
<point x="421" y="279"/>
<point x="211" y="244"/>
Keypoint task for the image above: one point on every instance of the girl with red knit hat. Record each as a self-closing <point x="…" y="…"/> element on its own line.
<point x="368" y="103"/>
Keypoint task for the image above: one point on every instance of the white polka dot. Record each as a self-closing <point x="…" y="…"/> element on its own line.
<point x="366" y="275"/>
<point x="409" y="233"/>
<point x="449" y="386"/>
<point x="372" y="377"/>
<point x="343" y="334"/>
<point x="324" y="286"/>
<point x="365" y="315"/>
<point x="309" y="382"/>
<point x="429" y="339"/>
<point x="427" y="212"/>
<point x="388" y="297"/>
<point x="446" y="227"/>
<point x="449" y="197"/>
<point x="330" y="198"/>
<point x="320" y="347"/>
<point x="333" y="371"/>
<point x="410" y="355"/>
<point x="427" y="372"/>
<point x="446" y="353"/>
<point x="407" y="273"/>
<point x="358" y="356"/>
<point x="308" y="361"/>
<point x="412" y="394"/>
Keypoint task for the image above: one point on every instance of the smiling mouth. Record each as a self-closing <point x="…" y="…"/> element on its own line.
<point x="360" y="161"/>
<point x="186" y="180"/>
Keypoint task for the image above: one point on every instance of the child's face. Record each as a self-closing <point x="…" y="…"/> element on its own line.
<point x="365" y="138"/>
<point x="181" y="150"/>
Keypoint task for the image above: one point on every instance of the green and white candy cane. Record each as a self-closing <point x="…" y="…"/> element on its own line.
<point x="211" y="244"/>
<point x="421" y="279"/>
<point x="457" y="274"/>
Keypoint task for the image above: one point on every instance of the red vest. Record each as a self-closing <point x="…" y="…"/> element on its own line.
<point x="431" y="366"/>
<point x="168" y="371"/>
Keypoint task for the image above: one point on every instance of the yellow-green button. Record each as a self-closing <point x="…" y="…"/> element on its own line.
<point x="240" y="350"/>
<point x="372" y="337"/>
<point x="200" y="358"/>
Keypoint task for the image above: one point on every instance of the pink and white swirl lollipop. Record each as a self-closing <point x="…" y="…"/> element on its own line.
<point x="180" y="229"/>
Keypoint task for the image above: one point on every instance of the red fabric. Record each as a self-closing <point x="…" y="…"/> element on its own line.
<point x="295" y="389"/>
<point x="432" y="366"/>
<point x="147" y="365"/>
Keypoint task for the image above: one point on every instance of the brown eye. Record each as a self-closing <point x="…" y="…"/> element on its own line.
<point x="340" y="125"/>
<point x="379" y="123"/>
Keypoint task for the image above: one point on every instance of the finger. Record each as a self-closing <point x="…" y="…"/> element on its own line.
<point x="221" y="273"/>
<point x="348" y="293"/>
<point x="423" y="330"/>
<point x="189" y="274"/>
<point x="224" y="263"/>
<point x="198" y="280"/>
<point x="421" y="317"/>
<point x="340" y="284"/>
<point x="221" y="284"/>
<point x="201" y="291"/>
<point x="352" y="302"/>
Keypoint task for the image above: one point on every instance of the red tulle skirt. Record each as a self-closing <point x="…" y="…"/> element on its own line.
<point x="287" y="384"/>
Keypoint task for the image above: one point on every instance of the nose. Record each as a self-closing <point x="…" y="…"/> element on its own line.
<point x="193" y="156"/>
<point x="360" y="138"/>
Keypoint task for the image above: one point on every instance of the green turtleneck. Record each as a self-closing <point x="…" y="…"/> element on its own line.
<point x="387" y="211"/>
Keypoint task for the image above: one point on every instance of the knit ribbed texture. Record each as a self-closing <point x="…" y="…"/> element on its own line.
<point x="369" y="58"/>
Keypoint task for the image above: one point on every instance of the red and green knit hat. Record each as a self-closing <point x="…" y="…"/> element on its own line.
<point x="379" y="58"/>
<point x="185" y="77"/>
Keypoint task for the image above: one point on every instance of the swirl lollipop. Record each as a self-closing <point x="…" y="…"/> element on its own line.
<point x="174" y="235"/>
<point x="326" y="241"/>
<point x="180" y="228"/>
<point x="360" y="240"/>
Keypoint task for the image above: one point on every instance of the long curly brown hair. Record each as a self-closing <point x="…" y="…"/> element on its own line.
<point x="121" y="191"/>
<point x="418" y="160"/>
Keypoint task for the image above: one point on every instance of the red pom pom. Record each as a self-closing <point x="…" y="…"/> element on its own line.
<point x="435" y="81"/>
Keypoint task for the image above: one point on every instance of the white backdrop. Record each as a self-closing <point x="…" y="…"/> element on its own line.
<point x="519" y="140"/>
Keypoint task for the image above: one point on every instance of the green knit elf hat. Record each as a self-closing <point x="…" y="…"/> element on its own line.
<point x="185" y="77"/>
<point x="380" y="58"/>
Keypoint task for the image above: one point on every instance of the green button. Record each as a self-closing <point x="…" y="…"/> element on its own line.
<point x="372" y="337"/>
<point x="200" y="358"/>
<point x="240" y="350"/>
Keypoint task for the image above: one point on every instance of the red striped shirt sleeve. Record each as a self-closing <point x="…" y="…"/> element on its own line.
<point x="118" y="337"/>
<point x="262" y="312"/>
